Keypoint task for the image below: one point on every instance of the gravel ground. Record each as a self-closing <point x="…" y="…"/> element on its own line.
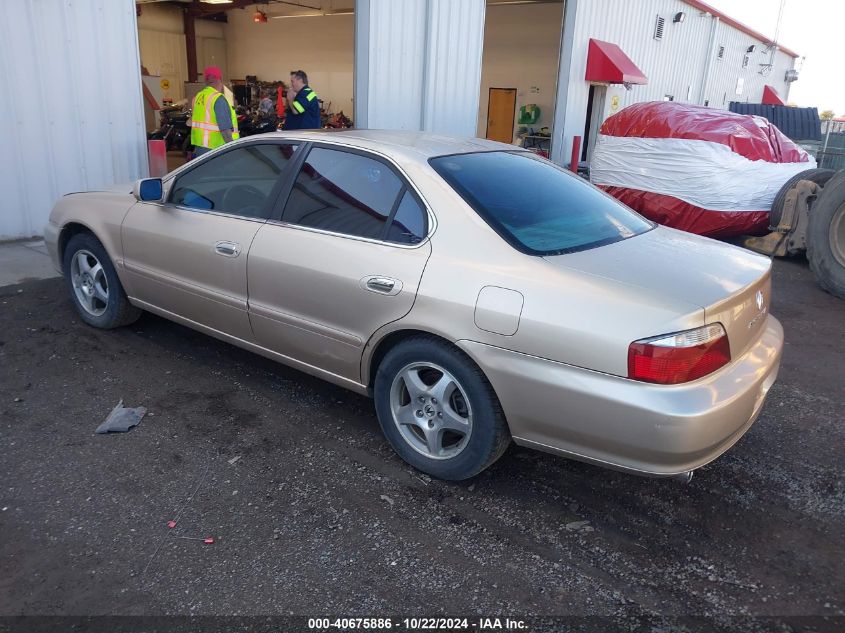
<point x="312" y="514"/>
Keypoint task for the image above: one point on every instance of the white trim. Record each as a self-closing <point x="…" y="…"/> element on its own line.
<point x="559" y="143"/>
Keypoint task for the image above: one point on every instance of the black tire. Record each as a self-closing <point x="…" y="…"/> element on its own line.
<point x="116" y="310"/>
<point x="489" y="437"/>
<point x="826" y="232"/>
<point x="818" y="176"/>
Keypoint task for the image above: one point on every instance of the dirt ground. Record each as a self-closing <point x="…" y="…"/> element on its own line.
<point x="312" y="513"/>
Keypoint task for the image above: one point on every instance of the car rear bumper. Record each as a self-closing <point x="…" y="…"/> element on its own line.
<point x="648" y="429"/>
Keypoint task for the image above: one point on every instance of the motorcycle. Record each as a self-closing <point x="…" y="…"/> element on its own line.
<point x="174" y="129"/>
<point x="260" y="123"/>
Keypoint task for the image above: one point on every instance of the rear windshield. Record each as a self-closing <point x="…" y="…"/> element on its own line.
<point x="536" y="206"/>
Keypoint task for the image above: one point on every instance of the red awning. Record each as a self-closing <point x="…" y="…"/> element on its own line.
<point x="606" y="63"/>
<point x="771" y="96"/>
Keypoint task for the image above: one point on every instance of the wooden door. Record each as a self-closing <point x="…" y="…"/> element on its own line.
<point x="501" y="111"/>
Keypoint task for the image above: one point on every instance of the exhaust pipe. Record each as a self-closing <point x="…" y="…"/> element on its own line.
<point x="684" y="478"/>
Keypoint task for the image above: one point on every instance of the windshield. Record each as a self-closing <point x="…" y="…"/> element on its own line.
<point x="536" y="206"/>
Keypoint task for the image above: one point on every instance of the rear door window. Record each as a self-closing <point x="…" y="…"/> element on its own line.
<point x="410" y="222"/>
<point x="352" y="194"/>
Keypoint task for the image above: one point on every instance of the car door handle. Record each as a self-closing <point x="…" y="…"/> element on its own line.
<point x="382" y="285"/>
<point x="227" y="249"/>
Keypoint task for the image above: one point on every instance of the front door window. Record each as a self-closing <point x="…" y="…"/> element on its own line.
<point x="236" y="182"/>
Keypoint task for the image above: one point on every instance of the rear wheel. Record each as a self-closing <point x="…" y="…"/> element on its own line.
<point x="437" y="409"/>
<point x="94" y="286"/>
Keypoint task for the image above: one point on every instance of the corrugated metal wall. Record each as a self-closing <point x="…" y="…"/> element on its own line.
<point x="722" y="86"/>
<point x="418" y="64"/>
<point x="390" y="52"/>
<point x="71" y="89"/>
<point x="674" y="65"/>
<point x="799" y="124"/>
<point x="453" y="66"/>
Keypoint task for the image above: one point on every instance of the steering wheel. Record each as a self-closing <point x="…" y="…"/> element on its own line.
<point x="243" y="200"/>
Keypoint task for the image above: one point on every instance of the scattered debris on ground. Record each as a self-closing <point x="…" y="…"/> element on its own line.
<point x="121" y="419"/>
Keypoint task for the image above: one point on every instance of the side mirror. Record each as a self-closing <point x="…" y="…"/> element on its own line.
<point x="148" y="190"/>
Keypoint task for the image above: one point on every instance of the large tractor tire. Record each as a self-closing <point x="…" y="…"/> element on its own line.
<point x="818" y="176"/>
<point x="826" y="238"/>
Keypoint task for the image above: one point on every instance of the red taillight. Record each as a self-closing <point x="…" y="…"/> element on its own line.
<point x="681" y="357"/>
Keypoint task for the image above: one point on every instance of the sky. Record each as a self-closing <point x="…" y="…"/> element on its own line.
<point x="815" y="30"/>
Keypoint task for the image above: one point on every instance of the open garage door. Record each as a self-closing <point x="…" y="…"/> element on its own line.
<point x="256" y="46"/>
<point x="520" y="62"/>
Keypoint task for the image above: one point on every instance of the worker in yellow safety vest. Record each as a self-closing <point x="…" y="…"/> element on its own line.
<point x="213" y="121"/>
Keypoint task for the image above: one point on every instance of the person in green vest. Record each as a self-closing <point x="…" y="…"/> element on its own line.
<point x="213" y="120"/>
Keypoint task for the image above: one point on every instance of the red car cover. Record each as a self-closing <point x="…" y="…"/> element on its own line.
<point x="698" y="169"/>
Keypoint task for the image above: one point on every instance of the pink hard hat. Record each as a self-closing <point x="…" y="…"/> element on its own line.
<point x="213" y="71"/>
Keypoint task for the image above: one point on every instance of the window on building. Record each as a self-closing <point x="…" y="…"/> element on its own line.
<point x="668" y="97"/>
<point x="745" y="61"/>
<point x="658" y="28"/>
<point x="721" y="53"/>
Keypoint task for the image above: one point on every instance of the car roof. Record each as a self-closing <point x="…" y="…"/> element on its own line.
<point x="399" y="144"/>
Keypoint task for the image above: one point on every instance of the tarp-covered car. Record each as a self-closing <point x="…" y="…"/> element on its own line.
<point x="702" y="170"/>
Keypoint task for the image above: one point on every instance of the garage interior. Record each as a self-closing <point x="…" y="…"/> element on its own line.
<point x="519" y="72"/>
<point x="256" y="45"/>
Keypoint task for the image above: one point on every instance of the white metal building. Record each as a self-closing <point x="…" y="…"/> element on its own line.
<point x="688" y="52"/>
<point x="72" y="79"/>
<point x="72" y="93"/>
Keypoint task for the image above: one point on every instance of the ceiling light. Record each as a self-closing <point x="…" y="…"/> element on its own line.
<point x="313" y="15"/>
<point x="296" y="15"/>
<point x="259" y="17"/>
<point x="216" y="1"/>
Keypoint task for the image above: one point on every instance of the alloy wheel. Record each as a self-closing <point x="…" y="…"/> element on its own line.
<point x="90" y="284"/>
<point x="431" y="410"/>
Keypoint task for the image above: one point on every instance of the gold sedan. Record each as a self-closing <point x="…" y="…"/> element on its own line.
<point x="477" y="292"/>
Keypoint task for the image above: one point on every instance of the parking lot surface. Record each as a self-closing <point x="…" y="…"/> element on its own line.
<point x="312" y="514"/>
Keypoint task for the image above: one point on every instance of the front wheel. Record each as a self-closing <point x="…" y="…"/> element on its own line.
<point x="94" y="286"/>
<point x="437" y="409"/>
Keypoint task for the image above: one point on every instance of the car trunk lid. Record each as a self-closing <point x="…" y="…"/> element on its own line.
<point x="731" y="284"/>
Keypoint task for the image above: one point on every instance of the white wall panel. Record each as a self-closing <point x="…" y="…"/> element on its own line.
<point x="418" y="64"/>
<point x="389" y="73"/>
<point x="453" y="66"/>
<point x="721" y="87"/>
<point x="72" y="89"/>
